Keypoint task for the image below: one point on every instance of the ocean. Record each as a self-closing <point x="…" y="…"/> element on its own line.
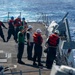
<point x="32" y="10"/>
<point x="36" y="10"/>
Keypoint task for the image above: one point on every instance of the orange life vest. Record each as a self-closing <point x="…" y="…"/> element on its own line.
<point x="53" y="39"/>
<point x="35" y="38"/>
<point x="17" y="22"/>
<point x="11" y="21"/>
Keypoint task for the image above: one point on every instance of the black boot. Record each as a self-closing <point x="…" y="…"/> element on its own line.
<point x="4" y="40"/>
<point x="40" y="64"/>
<point x="20" y="62"/>
<point x="34" y="64"/>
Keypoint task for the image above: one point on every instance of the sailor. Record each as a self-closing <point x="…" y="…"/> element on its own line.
<point x="29" y="42"/>
<point x="52" y="44"/>
<point x="38" y="40"/>
<point x="20" y="44"/>
<point x="17" y="24"/>
<point x="24" y="24"/>
<point x="11" y="30"/>
<point x="1" y="31"/>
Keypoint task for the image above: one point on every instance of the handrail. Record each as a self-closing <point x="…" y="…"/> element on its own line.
<point x="42" y="17"/>
<point x="6" y="18"/>
<point x="22" y="72"/>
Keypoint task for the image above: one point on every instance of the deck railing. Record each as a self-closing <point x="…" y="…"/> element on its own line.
<point x="41" y="17"/>
<point x="39" y="71"/>
<point x="8" y="16"/>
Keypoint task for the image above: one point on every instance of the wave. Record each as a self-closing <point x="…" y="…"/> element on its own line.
<point x="54" y="9"/>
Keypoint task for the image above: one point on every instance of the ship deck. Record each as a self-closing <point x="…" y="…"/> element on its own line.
<point x="10" y="50"/>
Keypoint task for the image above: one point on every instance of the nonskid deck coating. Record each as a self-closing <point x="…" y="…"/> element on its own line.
<point x="11" y="48"/>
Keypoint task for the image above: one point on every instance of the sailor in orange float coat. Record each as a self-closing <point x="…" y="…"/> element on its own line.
<point x="52" y="44"/>
<point x="37" y="47"/>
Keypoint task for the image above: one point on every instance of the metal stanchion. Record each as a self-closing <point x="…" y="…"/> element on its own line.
<point x="39" y="70"/>
<point x="20" y="72"/>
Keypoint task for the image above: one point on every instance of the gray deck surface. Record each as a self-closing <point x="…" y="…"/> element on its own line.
<point x="11" y="49"/>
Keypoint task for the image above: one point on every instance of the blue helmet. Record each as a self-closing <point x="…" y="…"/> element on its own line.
<point x="23" y="18"/>
<point x="12" y="17"/>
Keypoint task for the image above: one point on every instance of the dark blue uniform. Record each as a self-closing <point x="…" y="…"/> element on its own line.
<point x="11" y="30"/>
<point x="29" y="45"/>
<point x="17" y="23"/>
<point x="1" y="31"/>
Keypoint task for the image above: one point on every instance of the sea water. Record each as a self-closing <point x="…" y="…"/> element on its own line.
<point x="35" y="10"/>
<point x="32" y="9"/>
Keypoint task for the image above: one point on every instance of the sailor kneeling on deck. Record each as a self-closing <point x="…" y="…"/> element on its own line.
<point x="52" y="43"/>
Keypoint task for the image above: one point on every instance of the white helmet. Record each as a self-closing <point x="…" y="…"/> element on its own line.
<point x="30" y="27"/>
<point x="38" y="30"/>
<point x="56" y="31"/>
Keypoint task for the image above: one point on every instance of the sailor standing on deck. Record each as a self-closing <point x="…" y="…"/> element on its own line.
<point x="24" y="24"/>
<point x="29" y="42"/>
<point x="37" y="47"/>
<point x="17" y="24"/>
<point x="20" y="44"/>
<point x="11" y="30"/>
<point x="52" y="44"/>
<point x="1" y="31"/>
